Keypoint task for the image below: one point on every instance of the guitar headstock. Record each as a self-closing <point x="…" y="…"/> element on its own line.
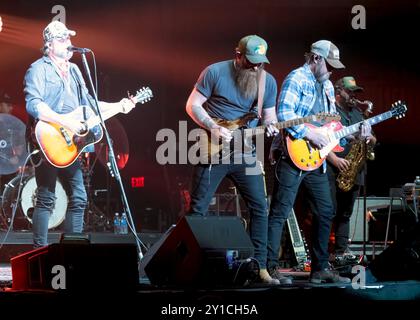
<point x="398" y="109"/>
<point x="143" y="95"/>
<point x="327" y="117"/>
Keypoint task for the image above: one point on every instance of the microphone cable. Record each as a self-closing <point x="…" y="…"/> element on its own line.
<point x="16" y="203"/>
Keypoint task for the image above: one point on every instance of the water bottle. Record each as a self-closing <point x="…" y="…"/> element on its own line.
<point x="417" y="185"/>
<point x="117" y="223"/>
<point x="123" y="224"/>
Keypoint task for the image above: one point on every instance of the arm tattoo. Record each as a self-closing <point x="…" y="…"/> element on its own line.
<point x="202" y="117"/>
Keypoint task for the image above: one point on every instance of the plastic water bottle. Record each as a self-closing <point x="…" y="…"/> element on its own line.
<point x="415" y="197"/>
<point x="123" y="224"/>
<point x="117" y="223"/>
<point x="417" y="185"/>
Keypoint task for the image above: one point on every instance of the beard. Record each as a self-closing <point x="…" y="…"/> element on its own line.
<point x="246" y="80"/>
<point x="323" y="77"/>
<point x="63" y="54"/>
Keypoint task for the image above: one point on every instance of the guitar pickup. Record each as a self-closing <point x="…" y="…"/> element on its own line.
<point x="66" y="136"/>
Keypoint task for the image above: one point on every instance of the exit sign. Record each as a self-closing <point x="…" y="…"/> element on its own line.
<point x="137" y="182"/>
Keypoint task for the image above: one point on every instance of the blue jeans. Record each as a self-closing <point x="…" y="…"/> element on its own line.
<point x="287" y="182"/>
<point x="72" y="180"/>
<point x="206" y="179"/>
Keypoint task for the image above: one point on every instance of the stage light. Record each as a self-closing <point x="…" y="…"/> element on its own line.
<point x="1" y="24"/>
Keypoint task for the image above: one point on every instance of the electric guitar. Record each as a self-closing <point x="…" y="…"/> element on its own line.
<point x="212" y="150"/>
<point x="61" y="147"/>
<point x="298" y="243"/>
<point x="307" y="157"/>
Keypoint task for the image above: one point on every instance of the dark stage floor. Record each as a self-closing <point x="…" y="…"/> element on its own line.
<point x="254" y="301"/>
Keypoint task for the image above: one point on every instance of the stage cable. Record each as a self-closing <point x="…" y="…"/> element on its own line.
<point x="16" y="204"/>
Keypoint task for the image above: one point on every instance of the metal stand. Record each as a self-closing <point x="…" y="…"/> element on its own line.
<point x="112" y="164"/>
<point x="96" y="220"/>
<point x="364" y="256"/>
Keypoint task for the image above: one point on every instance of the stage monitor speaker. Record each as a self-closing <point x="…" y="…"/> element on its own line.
<point x="82" y="266"/>
<point x="401" y="260"/>
<point x="199" y="251"/>
<point x="372" y="204"/>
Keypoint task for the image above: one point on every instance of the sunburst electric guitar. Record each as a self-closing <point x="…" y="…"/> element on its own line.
<point x="61" y="146"/>
<point x="307" y="157"/>
<point x="213" y="149"/>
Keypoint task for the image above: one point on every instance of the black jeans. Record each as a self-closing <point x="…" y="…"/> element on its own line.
<point x="251" y="186"/>
<point x="72" y="180"/>
<point x="343" y="208"/>
<point x="287" y="182"/>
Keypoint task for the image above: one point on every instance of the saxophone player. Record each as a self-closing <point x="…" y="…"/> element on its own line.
<point x="351" y="112"/>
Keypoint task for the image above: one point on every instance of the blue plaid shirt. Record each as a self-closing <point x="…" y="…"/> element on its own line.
<point x="298" y="96"/>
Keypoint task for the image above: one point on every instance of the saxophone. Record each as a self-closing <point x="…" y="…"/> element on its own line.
<point x="355" y="157"/>
<point x="347" y="178"/>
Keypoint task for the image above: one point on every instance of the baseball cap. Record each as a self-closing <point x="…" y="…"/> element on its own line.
<point x="56" y="29"/>
<point x="348" y="83"/>
<point x="254" y="48"/>
<point x="329" y="52"/>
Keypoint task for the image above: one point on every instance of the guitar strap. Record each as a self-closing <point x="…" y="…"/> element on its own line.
<point x="79" y="90"/>
<point x="262" y="75"/>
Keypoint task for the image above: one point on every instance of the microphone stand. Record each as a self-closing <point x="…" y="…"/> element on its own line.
<point x="365" y="217"/>
<point x="112" y="164"/>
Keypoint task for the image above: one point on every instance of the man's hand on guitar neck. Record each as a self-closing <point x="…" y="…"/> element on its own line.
<point x="270" y="119"/>
<point x="127" y="104"/>
<point x="271" y="130"/>
<point x="317" y="137"/>
<point x="365" y="133"/>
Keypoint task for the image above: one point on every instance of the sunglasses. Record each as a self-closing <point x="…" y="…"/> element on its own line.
<point x="249" y="65"/>
<point x="62" y="39"/>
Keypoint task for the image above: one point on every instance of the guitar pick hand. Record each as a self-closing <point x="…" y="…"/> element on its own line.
<point x="73" y="125"/>
<point x="222" y="132"/>
<point x="317" y="137"/>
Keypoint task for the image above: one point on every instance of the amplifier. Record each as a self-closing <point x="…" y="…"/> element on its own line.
<point x="373" y="204"/>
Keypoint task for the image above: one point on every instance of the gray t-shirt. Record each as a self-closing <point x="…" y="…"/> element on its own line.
<point x="224" y="99"/>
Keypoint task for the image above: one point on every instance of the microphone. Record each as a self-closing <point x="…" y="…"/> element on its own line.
<point x="80" y="50"/>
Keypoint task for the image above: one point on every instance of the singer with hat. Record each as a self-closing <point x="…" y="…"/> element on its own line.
<point x="306" y="91"/>
<point x="53" y="88"/>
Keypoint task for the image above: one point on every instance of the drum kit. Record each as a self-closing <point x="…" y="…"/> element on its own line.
<point x="13" y="173"/>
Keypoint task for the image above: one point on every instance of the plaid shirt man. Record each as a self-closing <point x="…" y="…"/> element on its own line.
<point x="297" y="98"/>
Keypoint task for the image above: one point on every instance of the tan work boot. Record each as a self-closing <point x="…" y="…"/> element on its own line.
<point x="266" y="278"/>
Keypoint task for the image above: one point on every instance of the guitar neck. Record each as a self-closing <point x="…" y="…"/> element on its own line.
<point x="142" y="96"/>
<point x="356" y="127"/>
<point x="283" y="124"/>
<point x="95" y="120"/>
